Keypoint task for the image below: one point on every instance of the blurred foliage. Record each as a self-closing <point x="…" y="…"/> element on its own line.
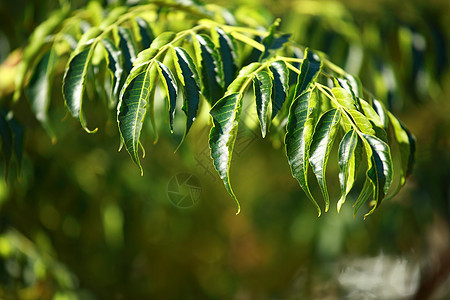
<point x="80" y="223"/>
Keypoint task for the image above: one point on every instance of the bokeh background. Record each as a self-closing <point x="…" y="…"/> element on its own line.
<point x="81" y="223"/>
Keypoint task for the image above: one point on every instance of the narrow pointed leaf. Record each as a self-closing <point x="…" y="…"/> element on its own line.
<point x="228" y="55"/>
<point x="262" y="84"/>
<point x="363" y="196"/>
<point x="171" y="88"/>
<point x="144" y="57"/>
<point x="309" y="70"/>
<point x="299" y="132"/>
<point x="362" y="122"/>
<point x="187" y="72"/>
<point x="280" y="85"/>
<point x="243" y="79"/>
<point x="381" y="111"/>
<point x="344" y="97"/>
<point x="114" y="66"/>
<point x="349" y="157"/>
<point x="146" y="32"/>
<point x="379" y="167"/>
<point x="39" y="89"/>
<point x="406" y="145"/>
<point x="225" y="115"/>
<point x="321" y="145"/>
<point x="273" y="42"/>
<point x="131" y="112"/>
<point x="210" y="67"/>
<point x="74" y="83"/>
<point x="128" y="48"/>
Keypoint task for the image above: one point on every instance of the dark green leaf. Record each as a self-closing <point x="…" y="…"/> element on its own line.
<point x="146" y="33"/>
<point x="131" y="112"/>
<point x="299" y="133"/>
<point x="273" y="42"/>
<point x="228" y="55"/>
<point x="363" y="196"/>
<point x="350" y="153"/>
<point x="225" y="114"/>
<point x="115" y="67"/>
<point x="171" y="88"/>
<point x="379" y="167"/>
<point x="262" y="84"/>
<point x="187" y="72"/>
<point x="309" y="71"/>
<point x="74" y="83"/>
<point x="280" y="85"/>
<point x="128" y="48"/>
<point x="39" y="89"/>
<point x="211" y="68"/>
<point x="321" y="145"/>
<point x="18" y="136"/>
<point x="243" y="79"/>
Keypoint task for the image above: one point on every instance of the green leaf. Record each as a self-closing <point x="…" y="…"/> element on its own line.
<point x="350" y="154"/>
<point x="309" y="70"/>
<point x="171" y="88"/>
<point x="299" y="132"/>
<point x="344" y="97"/>
<point x="225" y="115"/>
<point x="211" y="68"/>
<point x="361" y="122"/>
<point x="18" y="136"/>
<point x="39" y="89"/>
<point x="228" y="55"/>
<point x="272" y="42"/>
<point x="406" y="145"/>
<point x="321" y="145"/>
<point x="128" y="48"/>
<point x="145" y="57"/>
<point x="363" y="196"/>
<point x="187" y="73"/>
<point x="371" y="114"/>
<point x="379" y="167"/>
<point x="262" y="84"/>
<point x="74" y="84"/>
<point x="243" y="79"/>
<point x="280" y="85"/>
<point x="114" y="66"/>
<point x="146" y="32"/>
<point x="381" y="111"/>
<point x="131" y="112"/>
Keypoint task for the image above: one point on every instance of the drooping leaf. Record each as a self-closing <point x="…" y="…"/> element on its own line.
<point x="171" y="88"/>
<point x="39" y="89"/>
<point x="379" y="168"/>
<point x="243" y="79"/>
<point x="350" y="154"/>
<point x="280" y="85"/>
<point x="273" y="42"/>
<point x="321" y="145"/>
<point x="74" y="83"/>
<point x="211" y="68"/>
<point x="228" y="54"/>
<point x="225" y="115"/>
<point x="381" y="111"/>
<point x="361" y="122"/>
<point x="146" y="32"/>
<point x="344" y="97"/>
<point x="299" y="133"/>
<point x="364" y="194"/>
<point x="262" y="84"/>
<point x="406" y="145"/>
<point x="128" y="48"/>
<point x="131" y="112"/>
<point x="188" y="75"/>
<point x="309" y="70"/>
<point x="114" y="66"/>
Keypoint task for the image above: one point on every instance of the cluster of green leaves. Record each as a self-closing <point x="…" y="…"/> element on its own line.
<point x="192" y="52"/>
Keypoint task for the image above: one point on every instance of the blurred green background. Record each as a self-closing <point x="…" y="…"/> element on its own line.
<point x="81" y="223"/>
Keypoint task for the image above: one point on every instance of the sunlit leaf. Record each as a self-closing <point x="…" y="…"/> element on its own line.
<point x="350" y="154"/>
<point x="280" y="85"/>
<point x="228" y="54"/>
<point x="225" y="115"/>
<point x="321" y="145"/>
<point x="262" y="84"/>
<point x="171" y="88"/>
<point x="114" y="66"/>
<point x="299" y="132"/>
<point x="131" y="112"/>
<point x="211" y="68"/>
<point x="309" y="70"/>
<point x="128" y="48"/>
